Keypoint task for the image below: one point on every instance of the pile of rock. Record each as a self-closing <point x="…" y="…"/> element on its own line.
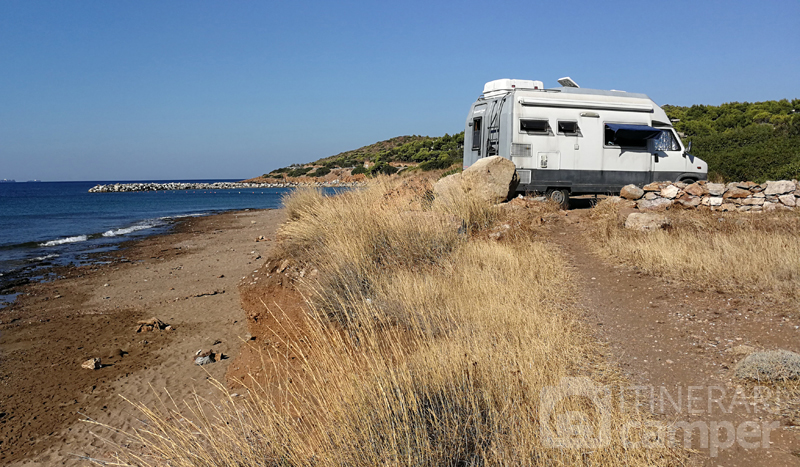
<point x="152" y="324"/>
<point x="735" y="196"/>
<point x="180" y="186"/>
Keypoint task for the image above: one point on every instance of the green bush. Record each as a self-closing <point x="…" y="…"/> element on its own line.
<point x="358" y="170"/>
<point x="299" y="172"/>
<point x="437" y="164"/>
<point x="744" y="141"/>
<point x="320" y="172"/>
<point x="382" y="168"/>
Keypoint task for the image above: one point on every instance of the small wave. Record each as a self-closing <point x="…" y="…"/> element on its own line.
<point x="180" y="216"/>
<point x="43" y="258"/>
<point x="61" y="241"/>
<point x="127" y="230"/>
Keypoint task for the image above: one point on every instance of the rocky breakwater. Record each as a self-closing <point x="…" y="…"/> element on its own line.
<point x="734" y="196"/>
<point x="181" y="186"/>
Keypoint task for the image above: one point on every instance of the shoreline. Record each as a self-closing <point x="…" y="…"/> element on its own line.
<point x="181" y="186"/>
<point x="187" y="277"/>
<point x="49" y="267"/>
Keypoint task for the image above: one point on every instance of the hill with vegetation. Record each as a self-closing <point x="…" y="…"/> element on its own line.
<point x="743" y="141"/>
<point x="740" y="141"/>
<point x="387" y="157"/>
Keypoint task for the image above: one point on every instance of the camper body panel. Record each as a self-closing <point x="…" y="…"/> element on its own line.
<point x="559" y="139"/>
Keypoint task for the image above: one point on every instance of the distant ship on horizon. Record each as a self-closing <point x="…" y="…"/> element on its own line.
<point x="30" y="181"/>
<point x="5" y="180"/>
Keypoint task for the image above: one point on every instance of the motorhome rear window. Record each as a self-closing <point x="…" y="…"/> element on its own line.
<point x="568" y="128"/>
<point x="476" y="134"/>
<point x="535" y="126"/>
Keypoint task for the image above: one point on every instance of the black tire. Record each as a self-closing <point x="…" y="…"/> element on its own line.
<point x="688" y="181"/>
<point x="559" y="195"/>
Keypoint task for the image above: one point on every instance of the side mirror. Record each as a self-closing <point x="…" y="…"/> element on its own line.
<point x="689" y="146"/>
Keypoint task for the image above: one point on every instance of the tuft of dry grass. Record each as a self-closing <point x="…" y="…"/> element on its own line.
<point x="754" y="252"/>
<point x="424" y="346"/>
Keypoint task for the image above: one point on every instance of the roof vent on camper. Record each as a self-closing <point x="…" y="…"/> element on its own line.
<point x="503" y="86"/>
<point x="567" y="82"/>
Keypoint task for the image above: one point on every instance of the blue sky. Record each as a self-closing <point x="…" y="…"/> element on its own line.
<point x="107" y="90"/>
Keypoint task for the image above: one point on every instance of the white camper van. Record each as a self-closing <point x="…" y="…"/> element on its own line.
<point x="570" y="140"/>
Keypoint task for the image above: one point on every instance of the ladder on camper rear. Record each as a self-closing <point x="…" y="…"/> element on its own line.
<point x="493" y="130"/>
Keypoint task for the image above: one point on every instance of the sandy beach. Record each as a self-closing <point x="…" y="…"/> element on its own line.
<point x="188" y="279"/>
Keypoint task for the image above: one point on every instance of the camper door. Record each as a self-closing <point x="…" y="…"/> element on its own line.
<point x="476" y="129"/>
<point x="626" y="151"/>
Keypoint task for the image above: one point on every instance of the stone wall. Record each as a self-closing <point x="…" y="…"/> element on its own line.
<point x="735" y="196"/>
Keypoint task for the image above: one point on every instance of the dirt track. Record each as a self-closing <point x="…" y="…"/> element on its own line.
<point x="671" y="337"/>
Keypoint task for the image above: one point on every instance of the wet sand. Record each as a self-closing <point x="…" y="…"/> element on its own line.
<point x="188" y="279"/>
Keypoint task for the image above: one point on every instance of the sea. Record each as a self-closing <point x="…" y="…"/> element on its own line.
<point x="47" y="224"/>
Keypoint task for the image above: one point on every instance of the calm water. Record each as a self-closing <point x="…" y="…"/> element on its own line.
<point x="56" y="223"/>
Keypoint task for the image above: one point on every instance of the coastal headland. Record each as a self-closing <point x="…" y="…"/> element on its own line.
<point x="188" y="279"/>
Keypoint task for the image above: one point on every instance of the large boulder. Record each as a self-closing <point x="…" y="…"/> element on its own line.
<point x="631" y="192"/>
<point x="646" y="222"/>
<point x="491" y="179"/>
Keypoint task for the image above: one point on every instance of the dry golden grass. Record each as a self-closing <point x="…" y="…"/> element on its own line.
<point x="754" y="252"/>
<point x="425" y="346"/>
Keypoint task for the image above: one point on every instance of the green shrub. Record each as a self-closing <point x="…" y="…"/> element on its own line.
<point x="320" y="172"/>
<point x="382" y="168"/>
<point x="744" y="141"/>
<point x="299" y="172"/>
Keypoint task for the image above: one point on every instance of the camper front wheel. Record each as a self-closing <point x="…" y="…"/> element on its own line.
<point x="559" y="195"/>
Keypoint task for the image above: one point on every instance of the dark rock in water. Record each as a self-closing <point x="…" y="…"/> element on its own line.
<point x="10" y="284"/>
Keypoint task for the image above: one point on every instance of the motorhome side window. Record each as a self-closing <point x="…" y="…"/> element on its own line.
<point x="666" y="142"/>
<point x="568" y="128"/>
<point x="536" y="127"/>
<point x="630" y="140"/>
<point x="476" y="134"/>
